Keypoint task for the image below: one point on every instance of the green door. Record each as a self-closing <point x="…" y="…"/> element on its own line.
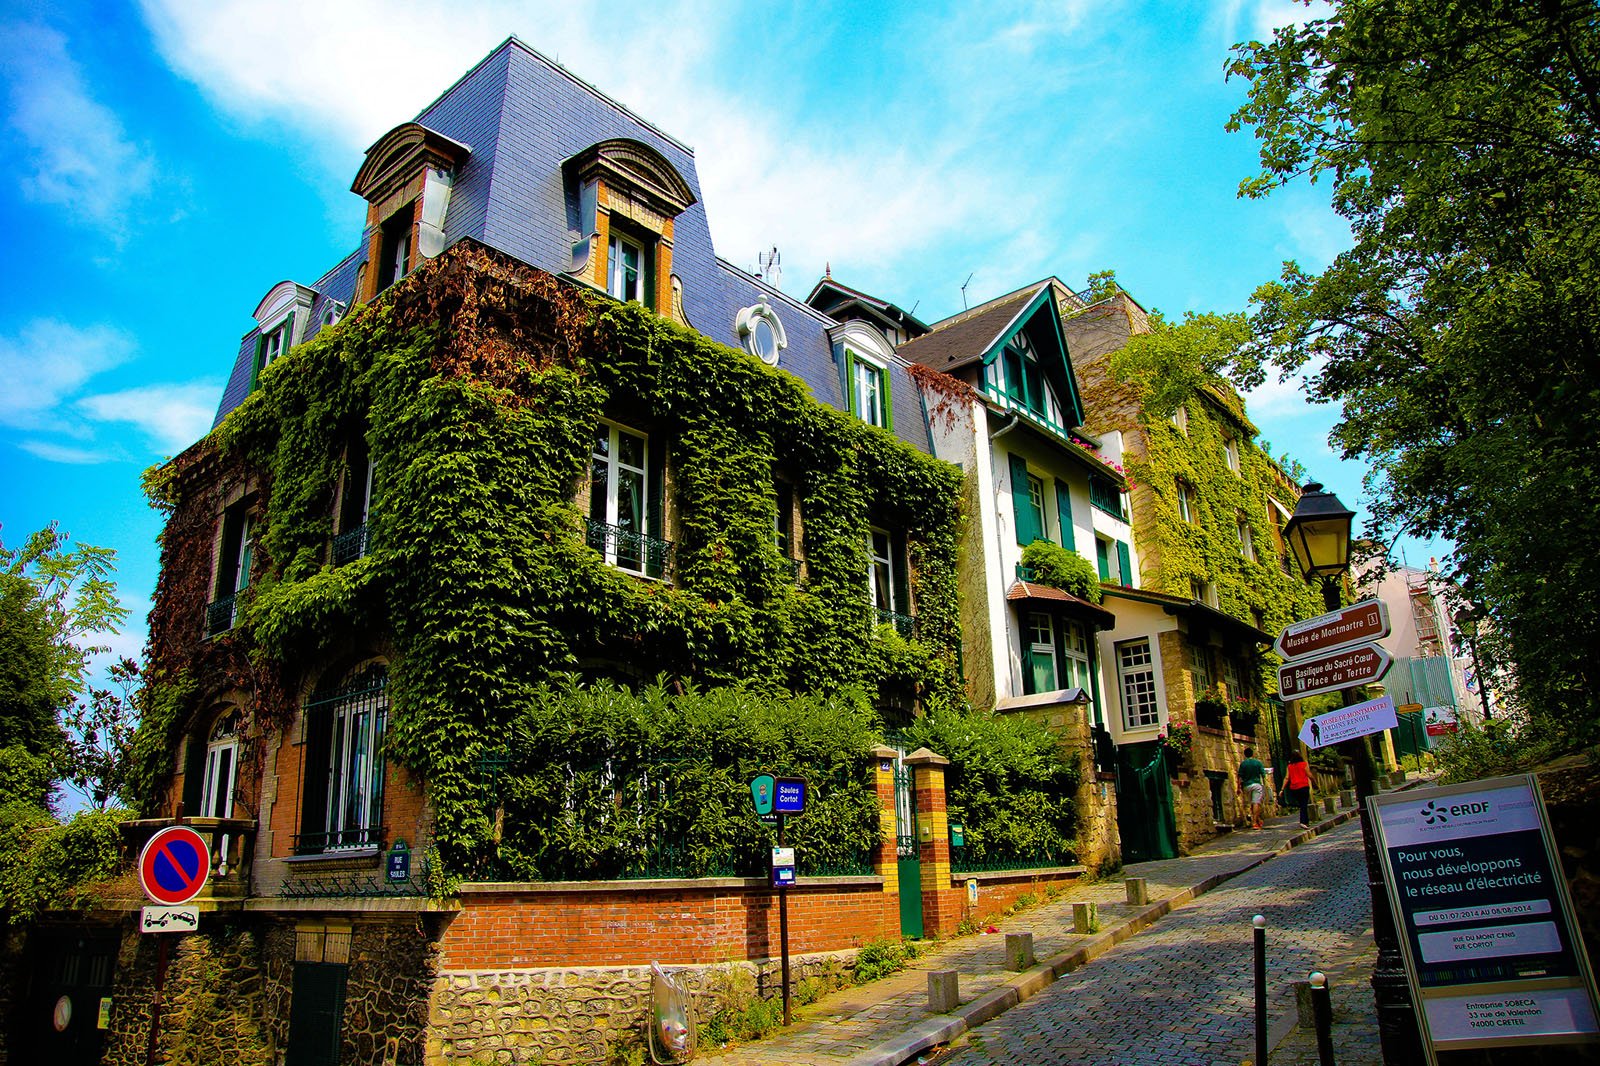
<point x="316" y="1012"/>
<point x="1144" y="804"/>
<point x="910" y="861"/>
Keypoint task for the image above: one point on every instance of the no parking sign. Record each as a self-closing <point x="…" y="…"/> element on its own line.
<point x="174" y="865"/>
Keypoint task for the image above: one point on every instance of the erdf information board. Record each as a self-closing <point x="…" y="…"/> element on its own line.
<point x="1491" y="950"/>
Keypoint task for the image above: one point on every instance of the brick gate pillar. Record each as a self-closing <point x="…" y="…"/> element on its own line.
<point x="885" y="855"/>
<point x="941" y="903"/>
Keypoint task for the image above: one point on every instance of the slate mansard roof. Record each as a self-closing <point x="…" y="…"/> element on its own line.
<point x="522" y="116"/>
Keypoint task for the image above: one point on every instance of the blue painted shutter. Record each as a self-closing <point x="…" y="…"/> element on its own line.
<point x="1021" y="505"/>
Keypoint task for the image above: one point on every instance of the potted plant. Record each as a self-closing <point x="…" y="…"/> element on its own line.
<point x="1243" y="717"/>
<point x="1177" y="743"/>
<point x="1211" y="709"/>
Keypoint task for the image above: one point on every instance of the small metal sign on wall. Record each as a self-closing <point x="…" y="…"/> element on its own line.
<point x="1493" y="955"/>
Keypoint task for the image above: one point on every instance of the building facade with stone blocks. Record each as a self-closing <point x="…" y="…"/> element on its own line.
<point x="492" y="448"/>
<point x="1214" y="580"/>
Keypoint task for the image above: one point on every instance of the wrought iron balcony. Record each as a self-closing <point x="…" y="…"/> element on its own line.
<point x="334" y="841"/>
<point x="637" y="553"/>
<point x="220" y="615"/>
<point x="350" y="545"/>
<point x="903" y="624"/>
<point x="232" y="842"/>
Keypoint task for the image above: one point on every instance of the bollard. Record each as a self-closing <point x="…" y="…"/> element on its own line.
<point x="1084" y="918"/>
<point x="1327" y="804"/>
<point x="1347" y="797"/>
<point x="1303" y="1016"/>
<point x="943" y="995"/>
<point x="1138" y="891"/>
<point x="1019" y="951"/>
<point x="1260" y="924"/>
<point x="1399" y="776"/>
<point x="1322" y="1012"/>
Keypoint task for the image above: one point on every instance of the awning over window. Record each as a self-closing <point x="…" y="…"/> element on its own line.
<point x="1047" y="597"/>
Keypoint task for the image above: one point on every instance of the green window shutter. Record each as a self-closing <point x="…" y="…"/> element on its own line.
<point x="902" y="576"/>
<point x="255" y="367"/>
<point x="1064" y="515"/>
<point x="850" y="383"/>
<point x="318" y="750"/>
<point x="655" y="487"/>
<point x="194" y="771"/>
<point x="888" y="407"/>
<point x="1102" y="556"/>
<point x="1021" y="505"/>
<point x="1125" y="565"/>
<point x="288" y="332"/>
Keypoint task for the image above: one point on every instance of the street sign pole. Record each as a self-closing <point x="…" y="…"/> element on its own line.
<point x="783" y="922"/>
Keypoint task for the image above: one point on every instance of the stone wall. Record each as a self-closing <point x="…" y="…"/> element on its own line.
<point x="585" y="1013"/>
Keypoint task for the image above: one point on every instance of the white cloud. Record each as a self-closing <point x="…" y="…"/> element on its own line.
<point x="1255" y="20"/>
<point x="48" y="362"/>
<point x="77" y="154"/>
<point x="51" y="452"/>
<point x="172" y="416"/>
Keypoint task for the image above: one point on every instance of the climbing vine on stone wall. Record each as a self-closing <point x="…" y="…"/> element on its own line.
<point x="478" y="385"/>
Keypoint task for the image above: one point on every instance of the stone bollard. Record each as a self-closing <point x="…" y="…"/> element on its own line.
<point x="1084" y="918"/>
<point x="1327" y="804"/>
<point x="1399" y="776"/>
<point x="1019" y="951"/>
<point x="943" y="996"/>
<point x="1138" y="892"/>
<point x="1347" y="798"/>
<point x="1304" y="1017"/>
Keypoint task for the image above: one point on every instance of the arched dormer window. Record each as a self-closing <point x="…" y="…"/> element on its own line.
<point x="626" y="196"/>
<point x="406" y="180"/>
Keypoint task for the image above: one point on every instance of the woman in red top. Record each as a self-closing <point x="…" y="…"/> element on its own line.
<point x="1298" y="786"/>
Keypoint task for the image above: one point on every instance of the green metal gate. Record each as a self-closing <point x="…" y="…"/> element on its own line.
<point x="316" y="1013"/>
<point x="1144" y="804"/>
<point x="905" y="839"/>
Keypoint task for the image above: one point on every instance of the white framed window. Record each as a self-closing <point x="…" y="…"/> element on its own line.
<point x="1230" y="452"/>
<point x="359" y="714"/>
<point x="883" y="576"/>
<point x="1200" y="667"/>
<point x="1233" y="677"/>
<point x="1247" y="542"/>
<point x="625" y="269"/>
<point x="1041" y="664"/>
<point x="869" y="393"/>
<point x="1180" y="418"/>
<point x="1186" y="504"/>
<point x="233" y="568"/>
<point x="1075" y="653"/>
<point x="619" y="503"/>
<point x="1136" y="681"/>
<point x="221" y="767"/>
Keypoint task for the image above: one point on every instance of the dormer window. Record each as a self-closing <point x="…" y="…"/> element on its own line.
<point x="395" y="248"/>
<point x="626" y="270"/>
<point x="406" y="179"/>
<point x="281" y="319"/>
<point x="868" y="382"/>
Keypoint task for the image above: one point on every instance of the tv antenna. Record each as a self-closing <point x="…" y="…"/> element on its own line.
<point x="964" y="285"/>
<point x="771" y="266"/>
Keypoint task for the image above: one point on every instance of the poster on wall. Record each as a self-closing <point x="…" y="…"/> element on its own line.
<point x="1439" y="721"/>
<point x="1492" y="953"/>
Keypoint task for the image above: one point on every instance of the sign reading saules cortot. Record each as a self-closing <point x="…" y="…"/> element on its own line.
<point x="1493" y="955"/>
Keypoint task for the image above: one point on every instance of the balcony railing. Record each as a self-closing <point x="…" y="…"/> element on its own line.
<point x="350" y="545"/>
<point x="1026" y="573"/>
<point x="904" y="624"/>
<point x="332" y="842"/>
<point x="220" y="615"/>
<point x="637" y="553"/>
<point x="1105" y="496"/>
<point x="232" y="842"/>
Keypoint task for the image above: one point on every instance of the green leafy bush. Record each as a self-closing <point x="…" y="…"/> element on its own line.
<point x="880" y="958"/>
<point x="1062" y="568"/>
<point x="1500" y="746"/>
<point x="1010" y="782"/>
<point x="46" y="864"/>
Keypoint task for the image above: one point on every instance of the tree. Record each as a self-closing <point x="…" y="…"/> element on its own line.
<point x="1461" y="333"/>
<point x="100" y="737"/>
<point x="52" y="603"/>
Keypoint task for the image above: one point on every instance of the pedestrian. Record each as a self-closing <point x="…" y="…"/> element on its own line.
<point x="1297" y="787"/>
<point x="1252" y="783"/>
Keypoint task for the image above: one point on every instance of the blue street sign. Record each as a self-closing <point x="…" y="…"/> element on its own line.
<point x="791" y="798"/>
<point x="398" y="866"/>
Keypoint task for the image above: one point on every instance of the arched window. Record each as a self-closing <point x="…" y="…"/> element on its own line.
<point x="342" y="803"/>
<point x="221" y="767"/>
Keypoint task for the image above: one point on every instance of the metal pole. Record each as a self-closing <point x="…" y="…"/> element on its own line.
<point x="1260" y="923"/>
<point x="1483" y="688"/>
<point x="783" y="925"/>
<point x="1322" y="1017"/>
<point x="162" y="941"/>
<point x="1397" y="1019"/>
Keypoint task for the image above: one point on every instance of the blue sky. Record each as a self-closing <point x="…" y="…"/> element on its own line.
<point x="172" y="161"/>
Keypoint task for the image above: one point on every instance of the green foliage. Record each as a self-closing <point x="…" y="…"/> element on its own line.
<point x="1461" y="333"/>
<point x="1494" y="748"/>
<point x="100" y="737"/>
<point x="877" y="959"/>
<point x="1010" y="782"/>
<point x="1062" y="568"/>
<point x="1173" y="364"/>
<point x="477" y="388"/>
<point x="45" y="864"/>
<point x="657" y="779"/>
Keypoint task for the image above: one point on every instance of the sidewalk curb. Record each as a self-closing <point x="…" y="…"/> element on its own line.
<point x="942" y="1030"/>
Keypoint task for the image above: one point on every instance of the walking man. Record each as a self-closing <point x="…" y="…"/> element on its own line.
<point x="1252" y="784"/>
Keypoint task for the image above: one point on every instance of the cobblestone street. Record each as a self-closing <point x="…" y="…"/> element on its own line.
<point x="1181" y="992"/>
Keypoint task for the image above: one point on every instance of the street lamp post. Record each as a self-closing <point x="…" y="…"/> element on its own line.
<point x="1467" y="625"/>
<point x="1319" y="535"/>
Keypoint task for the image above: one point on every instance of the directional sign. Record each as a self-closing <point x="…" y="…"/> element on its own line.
<point x="1332" y="672"/>
<point x="174" y="865"/>
<point x="791" y="798"/>
<point x="1355" y="624"/>
<point x="169" y="919"/>
<point x="1347" y="723"/>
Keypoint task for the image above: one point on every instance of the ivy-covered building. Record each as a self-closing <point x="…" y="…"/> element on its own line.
<point x="1212" y="582"/>
<point x="532" y="428"/>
